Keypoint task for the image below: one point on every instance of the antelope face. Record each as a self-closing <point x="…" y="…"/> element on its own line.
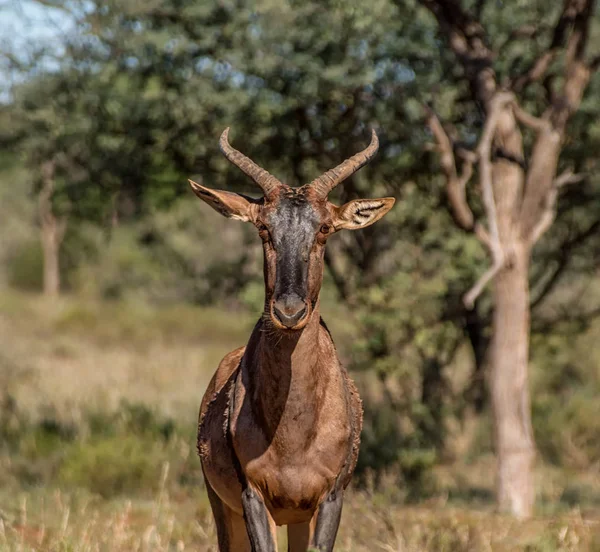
<point x="294" y="225"/>
<point x="293" y="230"/>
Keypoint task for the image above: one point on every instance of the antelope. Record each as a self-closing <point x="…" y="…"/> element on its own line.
<point x="280" y="422"/>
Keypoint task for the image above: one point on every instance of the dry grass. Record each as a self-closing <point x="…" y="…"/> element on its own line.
<point x="56" y="521"/>
<point x="66" y="353"/>
<point x="71" y="357"/>
<point x="79" y="522"/>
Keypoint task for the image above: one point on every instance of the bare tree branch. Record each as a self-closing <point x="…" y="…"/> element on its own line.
<point x="568" y="177"/>
<point x="456" y="187"/>
<point x="467" y="39"/>
<point x="484" y="151"/>
<point x="581" y="11"/>
<point x="549" y="214"/>
<point x="535" y="72"/>
<point x="540" y="65"/>
<point x="455" y="183"/>
<point x="471" y="296"/>
<point x="546" y="218"/>
<point x="577" y="71"/>
<point x="466" y="154"/>
<point x="536" y="123"/>
<point x="538" y="206"/>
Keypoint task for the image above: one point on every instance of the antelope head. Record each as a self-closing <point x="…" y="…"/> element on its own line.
<point x="294" y="225"/>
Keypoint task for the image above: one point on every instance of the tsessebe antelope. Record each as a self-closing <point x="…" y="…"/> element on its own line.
<point x="280" y="422"/>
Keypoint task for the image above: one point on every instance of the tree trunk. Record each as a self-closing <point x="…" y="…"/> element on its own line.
<point x="50" y="249"/>
<point x="515" y="448"/>
<point x="519" y="213"/>
<point x="52" y="231"/>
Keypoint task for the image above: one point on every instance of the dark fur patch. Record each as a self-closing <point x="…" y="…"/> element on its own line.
<point x="293" y="227"/>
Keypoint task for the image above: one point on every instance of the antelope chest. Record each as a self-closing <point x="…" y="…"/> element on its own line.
<point x="295" y="465"/>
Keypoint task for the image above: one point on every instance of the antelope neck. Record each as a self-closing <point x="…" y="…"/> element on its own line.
<point x="298" y="349"/>
<point x="287" y="376"/>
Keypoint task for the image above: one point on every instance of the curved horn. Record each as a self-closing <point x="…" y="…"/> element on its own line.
<point x="328" y="181"/>
<point x="266" y="181"/>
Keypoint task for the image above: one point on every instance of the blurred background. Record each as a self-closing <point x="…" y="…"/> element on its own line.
<point x="120" y="292"/>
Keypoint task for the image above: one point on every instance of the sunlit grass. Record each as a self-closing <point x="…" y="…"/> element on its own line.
<point x="98" y="406"/>
<point x="56" y="520"/>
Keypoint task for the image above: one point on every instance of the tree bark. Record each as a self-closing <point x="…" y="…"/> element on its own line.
<point x="509" y="354"/>
<point x="509" y="386"/>
<point x="52" y="230"/>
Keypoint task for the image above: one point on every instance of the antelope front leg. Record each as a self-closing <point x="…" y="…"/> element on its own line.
<point x="328" y="521"/>
<point x="259" y="523"/>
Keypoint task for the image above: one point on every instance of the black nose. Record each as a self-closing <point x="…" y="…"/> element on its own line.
<point x="289" y="311"/>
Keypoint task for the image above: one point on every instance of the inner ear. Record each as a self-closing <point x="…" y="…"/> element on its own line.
<point x="361" y="213"/>
<point x="229" y="204"/>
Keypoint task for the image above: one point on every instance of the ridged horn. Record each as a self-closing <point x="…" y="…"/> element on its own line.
<point x="328" y="181"/>
<point x="266" y="181"/>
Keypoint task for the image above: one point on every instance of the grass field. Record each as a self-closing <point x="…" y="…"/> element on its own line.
<point x="97" y="425"/>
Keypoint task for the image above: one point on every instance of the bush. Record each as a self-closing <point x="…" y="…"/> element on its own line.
<point x="394" y="439"/>
<point x="112" y="465"/>
<point x="122" y="267"/>
<point x="131" y="418"/>
<point x="108" y="453"/>
<point x="168" y="257"/>
<point x="25" y="267"/>
<point x="565" y="406"/>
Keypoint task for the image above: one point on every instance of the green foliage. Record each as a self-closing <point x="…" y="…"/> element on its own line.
<point x="108" y="453"/>
<point x="25" y="267"/>
<point x="180" y="255"/>
<point x="110" y="466"/>
<point x="123" y="267"/>
<point x="411" y="330"/>
<point x="393" y="438"/>
<point x="130" y="418"/>
<point x="565" y="406"/>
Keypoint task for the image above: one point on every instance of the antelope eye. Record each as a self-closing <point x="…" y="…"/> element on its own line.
<point x="325" y="229"/>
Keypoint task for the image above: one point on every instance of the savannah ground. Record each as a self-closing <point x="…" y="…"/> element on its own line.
<point x="97" y="426"/>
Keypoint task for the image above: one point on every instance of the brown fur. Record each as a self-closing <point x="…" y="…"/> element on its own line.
<point x="280" y="422"/>
<point x="295" y="457"/>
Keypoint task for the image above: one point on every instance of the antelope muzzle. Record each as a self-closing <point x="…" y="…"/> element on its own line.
<point x="290" y="312"/>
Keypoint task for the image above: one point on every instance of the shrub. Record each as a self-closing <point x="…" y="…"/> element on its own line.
<point x="394" y="438"/>
<point x="112" y="465"/>
<point x="565" y="406"/>
<point x="25" y="267"/>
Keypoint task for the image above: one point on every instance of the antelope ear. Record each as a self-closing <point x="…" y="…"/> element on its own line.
<point x="229" y="204"/>
<point x="361" y="213"/>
